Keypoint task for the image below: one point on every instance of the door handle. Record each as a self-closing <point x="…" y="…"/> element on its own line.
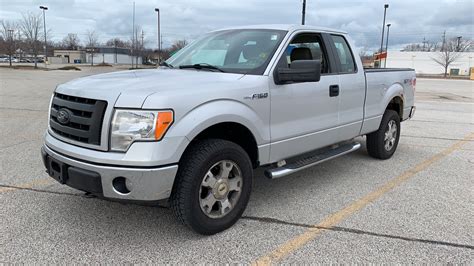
<point x="333" y="90"/>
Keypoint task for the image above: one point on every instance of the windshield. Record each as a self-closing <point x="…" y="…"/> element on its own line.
<point x="246" y="51"/>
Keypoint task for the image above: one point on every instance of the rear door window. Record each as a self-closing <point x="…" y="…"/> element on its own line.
<point x="344" y="54"/>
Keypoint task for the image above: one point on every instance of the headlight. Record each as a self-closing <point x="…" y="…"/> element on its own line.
<point x="129" y="126"/>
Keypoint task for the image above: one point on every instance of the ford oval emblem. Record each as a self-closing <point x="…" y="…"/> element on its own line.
<point x="64" y="116"/>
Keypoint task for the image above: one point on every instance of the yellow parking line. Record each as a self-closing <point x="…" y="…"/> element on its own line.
<point x="330" y="221"/>
<point x="37" y="182"/>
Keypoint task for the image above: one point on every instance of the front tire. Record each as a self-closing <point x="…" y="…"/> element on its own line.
<point x="212" y="186"/>
<point x="383" y="143"/>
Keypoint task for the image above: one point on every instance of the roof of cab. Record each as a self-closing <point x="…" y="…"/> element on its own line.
<point x="287" y="27"/>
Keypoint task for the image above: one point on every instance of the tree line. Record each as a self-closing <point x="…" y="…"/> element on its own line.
<point x="447" y="50"/>
<point x="25" y="38"/>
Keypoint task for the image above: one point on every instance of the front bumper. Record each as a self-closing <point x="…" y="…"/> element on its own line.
<point x="142" y="183"/>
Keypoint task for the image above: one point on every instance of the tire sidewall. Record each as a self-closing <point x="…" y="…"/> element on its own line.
<point x="200" y="221"/>
<point x="389" y="116"/>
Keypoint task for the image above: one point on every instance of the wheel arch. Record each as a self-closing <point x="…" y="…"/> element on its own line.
<point x="217" y="118"/>
<point x="396" y="104"/>
<point x="234" y="132"/>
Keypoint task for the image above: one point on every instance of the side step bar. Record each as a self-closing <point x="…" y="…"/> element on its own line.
<point x="311" y="159"/>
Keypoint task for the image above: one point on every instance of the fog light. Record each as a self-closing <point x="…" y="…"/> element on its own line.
<point x="122" y="185"/>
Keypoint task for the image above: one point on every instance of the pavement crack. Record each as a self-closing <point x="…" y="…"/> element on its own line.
<point x="440" y="138"/>
<point x="86" y="195"/>
<point x="357" y="231"/>
<point x="42" y="191"/>
<point x="22" y="109"/>
<point x="443" y="122"/>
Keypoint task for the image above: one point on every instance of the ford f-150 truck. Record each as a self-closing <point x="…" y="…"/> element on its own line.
<point x="193" y="130"/>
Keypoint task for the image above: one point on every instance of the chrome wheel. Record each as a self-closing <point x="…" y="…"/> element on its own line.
<point x="220" y="189"/>
<point x="390" y="135"/>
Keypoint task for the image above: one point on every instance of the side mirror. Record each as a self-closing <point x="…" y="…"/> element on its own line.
<point x="300" y="71"/>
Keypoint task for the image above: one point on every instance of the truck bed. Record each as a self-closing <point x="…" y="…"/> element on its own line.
<point x="372" y="70"/>
<point x="382" y="84"/>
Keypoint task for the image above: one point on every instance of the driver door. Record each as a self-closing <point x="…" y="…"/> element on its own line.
<point x="304" y="116"/>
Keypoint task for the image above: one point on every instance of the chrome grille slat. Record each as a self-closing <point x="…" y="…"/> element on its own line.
<point x="85" y="118"/>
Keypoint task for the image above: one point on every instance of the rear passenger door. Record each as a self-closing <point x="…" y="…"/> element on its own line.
<point x="352" y="87"/>
<point x="304" y="116"/>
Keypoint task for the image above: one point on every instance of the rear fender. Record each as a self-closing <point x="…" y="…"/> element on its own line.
<point x="372" y="124"/>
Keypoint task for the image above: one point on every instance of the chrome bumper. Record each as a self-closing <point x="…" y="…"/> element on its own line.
<point x="143" y="183"/>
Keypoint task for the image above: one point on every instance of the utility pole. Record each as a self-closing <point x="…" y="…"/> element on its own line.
<point x="458" y="48"/>
<point x="133" y="33"/>
<point x="444" y="42"/>
<point x="142" y="46"/>
<point x="115" y="46"/>
<point x="424" y="44"/>
<point x="303" y="13"/>
<point x="19" y="44"/>
<point x="44" y="8"/>
<point x="383" y="26"/>
<point x="11" y="48"/>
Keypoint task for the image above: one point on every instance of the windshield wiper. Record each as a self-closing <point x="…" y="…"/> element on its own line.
<point x="166" y="64"/>
<point x="201" y="66"/>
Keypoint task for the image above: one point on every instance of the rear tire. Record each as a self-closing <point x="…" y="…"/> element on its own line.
<point x="213" y="186"/>
<point x="383" y="143"/>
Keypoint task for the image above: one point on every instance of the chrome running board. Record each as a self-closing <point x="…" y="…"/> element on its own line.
<point x="311" y="159"/>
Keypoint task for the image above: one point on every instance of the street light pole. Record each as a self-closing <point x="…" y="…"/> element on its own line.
<point x="44" y="8"/>
<point x="303" y="13"/>
<point x="386" y="44"/>
<point x="159" y="36"/>
<point x="383" y="26"/>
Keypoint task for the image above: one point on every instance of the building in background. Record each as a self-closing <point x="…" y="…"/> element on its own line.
<point x="423" y="62"/>
<point x="113" y="55"/>
<point x="107" y="55"/>
<point x="68" y="57"/>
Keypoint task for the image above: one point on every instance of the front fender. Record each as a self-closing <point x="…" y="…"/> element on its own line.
<point x="219" y="111"/>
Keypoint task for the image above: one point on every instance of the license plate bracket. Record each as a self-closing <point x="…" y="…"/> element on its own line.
<point x="57" y="170"/>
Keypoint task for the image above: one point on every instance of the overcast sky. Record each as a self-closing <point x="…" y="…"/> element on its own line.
<point x="412" y="20"/>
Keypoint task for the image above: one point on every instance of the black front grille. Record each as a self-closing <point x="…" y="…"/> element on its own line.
<point x="84" y="118"/>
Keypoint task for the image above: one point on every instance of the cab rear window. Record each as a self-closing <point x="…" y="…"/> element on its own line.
<point x="344" y="54"/>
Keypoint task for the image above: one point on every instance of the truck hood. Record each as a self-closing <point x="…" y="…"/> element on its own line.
<point x="131" y="88"/>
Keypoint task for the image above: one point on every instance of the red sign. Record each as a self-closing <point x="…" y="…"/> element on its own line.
<point x="380" y="56"/>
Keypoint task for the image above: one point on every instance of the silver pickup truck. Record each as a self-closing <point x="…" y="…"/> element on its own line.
<point x="192" y="132"/>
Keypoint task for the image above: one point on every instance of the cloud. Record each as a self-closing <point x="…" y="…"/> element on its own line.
<point x="411" y="20"/>
<point x="457" y="14"/>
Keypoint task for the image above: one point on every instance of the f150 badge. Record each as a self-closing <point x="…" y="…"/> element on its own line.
<point x="257" y="96"/>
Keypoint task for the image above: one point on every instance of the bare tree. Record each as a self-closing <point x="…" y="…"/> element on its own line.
<point x="117" y="42"/>
<point x="450" y="52"/>
<point x="92" y="43"/>
<point x="71" y="41"/>
<point x="363" y="52"/>
<point x="31" y="27"/>
<point x="137" y="44"/>
<point x="425" y="46"/>
<point x="178" y="45"/>
<point x="7" y="31"/>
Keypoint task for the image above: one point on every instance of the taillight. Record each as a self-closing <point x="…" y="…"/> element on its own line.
<point x="413" y="83"/>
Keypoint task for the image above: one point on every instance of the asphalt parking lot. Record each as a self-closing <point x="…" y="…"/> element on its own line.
<point x="414" y="208"/>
